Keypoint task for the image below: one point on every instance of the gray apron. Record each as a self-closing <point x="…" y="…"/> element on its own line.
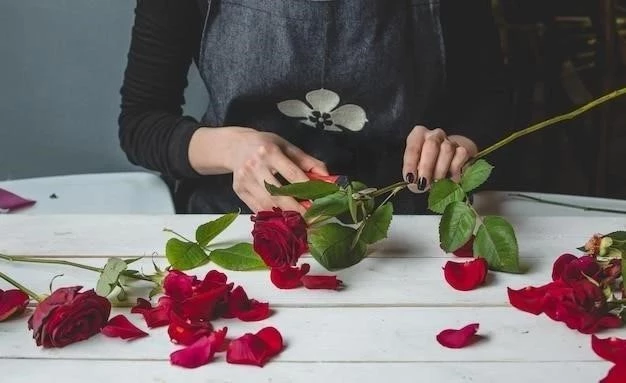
<point x="344" y="80"/>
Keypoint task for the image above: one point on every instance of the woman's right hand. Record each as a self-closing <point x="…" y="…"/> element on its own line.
<point x="254" y="158"/>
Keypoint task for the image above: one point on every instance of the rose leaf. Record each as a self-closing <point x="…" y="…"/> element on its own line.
<point x="331" y="246"/>
<point x="240" y="257"/>
<point x="456" y="226"/>
<point x="496" y="242"/>
<point x="207" y="232"/>
<point x="184" y="255"/>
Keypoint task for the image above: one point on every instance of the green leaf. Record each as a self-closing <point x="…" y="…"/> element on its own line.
<point x="207" y="232"/>
<point x="328" y="206"/>
<point x="331" y="246"/>
<point x="110" y="276"/>
<point x="475" y="175"/>
<point x="184" y="255"/>
<point x="132" y="260"/>
<point x="442" y="193"/>
<point x="357" y="186"/>
<point x="617" y="235"/>
<point x="240" y="257"/>
<point x="456" y="226"/>
<point x="303" y="190"/>
<point x="495" y="241"/>
<point x="352" y="204"/>
<point x="377" y="225"/>
<point x="122" y="296"/>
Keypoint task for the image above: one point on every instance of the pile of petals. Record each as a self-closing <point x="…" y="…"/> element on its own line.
<point x="280" y="239"/>
<point x="613" y="350"/>
<point x="581" y="294"/>
<point x="189" y="305"/>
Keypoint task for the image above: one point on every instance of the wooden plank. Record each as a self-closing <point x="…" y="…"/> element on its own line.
<point x="375" y="281"/>
<point x="73" y="371"/>
<point x="132" y="235"/>
<point x="330" y="335"/>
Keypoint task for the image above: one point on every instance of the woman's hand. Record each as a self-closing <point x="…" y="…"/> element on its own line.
<point x="254" y="158"/>
<point x="432" y="155"/>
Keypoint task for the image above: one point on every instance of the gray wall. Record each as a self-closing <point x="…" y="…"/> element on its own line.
<point x="61" y="66"/>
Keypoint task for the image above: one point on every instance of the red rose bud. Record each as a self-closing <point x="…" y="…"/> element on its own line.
<point x="186" y="332"/>
<point x="279" y="237"/>
<point x="154" y="316"/>
<point x="198" y="354"/>
<point x="12" y="303"/>
<point x="326" y="282"/>
<point x="612" y="349"/>
<point x="245" y="309"/>
<point x="68" y="316"/>
<point x="255" y="349"/>
<point x="120" y="327"/>
<point x="289" y="277"/>
<point x="458" y="338"/>
<point x="467" y="250"/>
<point x="617" y="374"/>
<point x="465" y="276"/>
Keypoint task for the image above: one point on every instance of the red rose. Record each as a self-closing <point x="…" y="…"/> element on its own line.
<point x="68" y="316"/>
<point x="279" y="237"/>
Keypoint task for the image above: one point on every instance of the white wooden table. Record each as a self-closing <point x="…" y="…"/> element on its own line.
<point x="382" y="327"/>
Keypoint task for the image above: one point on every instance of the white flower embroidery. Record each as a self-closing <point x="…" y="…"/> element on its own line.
<point x="323" y="112"/>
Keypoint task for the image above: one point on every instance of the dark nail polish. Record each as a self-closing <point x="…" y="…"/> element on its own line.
<point x="410" y="178"/>
<point x="421" y="184"/>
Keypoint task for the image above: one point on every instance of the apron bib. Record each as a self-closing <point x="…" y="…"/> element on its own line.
<point x="345" y="81"/>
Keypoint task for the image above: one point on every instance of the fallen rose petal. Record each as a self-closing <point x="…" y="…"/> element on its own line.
<point x="202" y="306"/>
<point x="256" y="311"/>
<point x="289" y="277"/>
<point x="255" y="349"/>
<point x="186" y="332"/>
<point x="560" y="264"/>
<point x="120" y="327"/>
<point x="528" y="299"/>
<point x="458" y="338"/>
<point x="465" y="276"/>
<point x="617" y="374"/>
<point x="328" y="282"/>
<point x="12" y="303"/>
<point x="467" y="250"/>
<point x="154" y="316"/>
<point x="11" y="201"/>
<point x="198" y="354"/>
<point x="612" y="349"/>
<point x="179" y="285"/>
<point x="245" y="309"/>
<point x="218" y="340"/>
<point x="272" y="338"/>
<point x="213" y="280"/>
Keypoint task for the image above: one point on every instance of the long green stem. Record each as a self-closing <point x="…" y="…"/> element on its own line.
<point x="565" y="204"/>
<point x="552" y="121"/>
<point x="20" y="286"/>
<point x="389" y="188"/>
<point x="69" y="263"/>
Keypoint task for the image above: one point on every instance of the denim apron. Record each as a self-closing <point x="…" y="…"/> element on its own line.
<point x="344" y="80"/>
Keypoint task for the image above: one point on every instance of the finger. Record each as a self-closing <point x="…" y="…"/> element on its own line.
<point x="304" y="161"/>
<point x="447" y="151"/>
<point x="412" y="153"/>
<point x="286" y="167"/>
<point x="461" y="156"/>
<point x="428" y="158"/>
<point x="250" y="201"/>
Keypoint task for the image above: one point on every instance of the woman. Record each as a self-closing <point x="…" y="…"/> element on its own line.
<point x="372" y="89"/>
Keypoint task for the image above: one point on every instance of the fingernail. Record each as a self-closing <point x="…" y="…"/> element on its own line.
<point x="410" y="177"/>
<point x="421" y="184"/>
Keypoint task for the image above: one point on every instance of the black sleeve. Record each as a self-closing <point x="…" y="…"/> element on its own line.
<point x="152" y="130"/>
<point x="478" y="101"/>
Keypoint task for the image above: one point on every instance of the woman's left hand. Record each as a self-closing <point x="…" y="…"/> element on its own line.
<point x="431" y="155"/>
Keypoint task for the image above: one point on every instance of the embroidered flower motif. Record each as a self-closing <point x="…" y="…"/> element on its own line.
<point x="322" y="112"/>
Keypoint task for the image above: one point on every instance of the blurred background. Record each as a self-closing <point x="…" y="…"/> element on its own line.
<point x="62" y="62"/>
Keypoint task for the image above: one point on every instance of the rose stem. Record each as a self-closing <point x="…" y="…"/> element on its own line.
<point x="68" y="263"/>
<point x="586" y="208"/>
<point x="20" y="286"/>
<point x="552" y="121"/>
<point x="176" y="234"/>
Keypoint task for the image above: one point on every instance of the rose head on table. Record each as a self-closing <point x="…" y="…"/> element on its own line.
<point x="343" y="219"/>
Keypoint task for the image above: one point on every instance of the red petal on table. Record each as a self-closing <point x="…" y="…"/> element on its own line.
<point x="617" y="374"/>
<point x="529" y="299"/>
<point x="458" y="338"/>
<point x="256" y="311"/>
<point x="202" y="306"/>
<point x="120" y="327"/>
<point x="255" y="349"/>
<point x="218" y="339"/>
<point x="12" y="302"/>
<point x="154" y="316"/>
<point x="289" y="277"/>
<point x="560" y="264"/>
<point x="212" y="280"/>
<point x="328" y="282"/>
<point x="10" y="201"/>
<point x="612" y="349"/>
<point x="467" y="250"/>
<point x="179" y="285"/>
<point x="198" y="354"/>
<point x="466" y="276"/>
<point x="245" y="309"/>
<point x="186" y="332"/>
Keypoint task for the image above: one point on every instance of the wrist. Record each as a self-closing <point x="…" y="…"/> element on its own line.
<point x="209" y="149"/>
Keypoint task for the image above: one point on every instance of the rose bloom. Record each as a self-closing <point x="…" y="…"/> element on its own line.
<point x="68" y="316"/>
<point x="279" y="237"/>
